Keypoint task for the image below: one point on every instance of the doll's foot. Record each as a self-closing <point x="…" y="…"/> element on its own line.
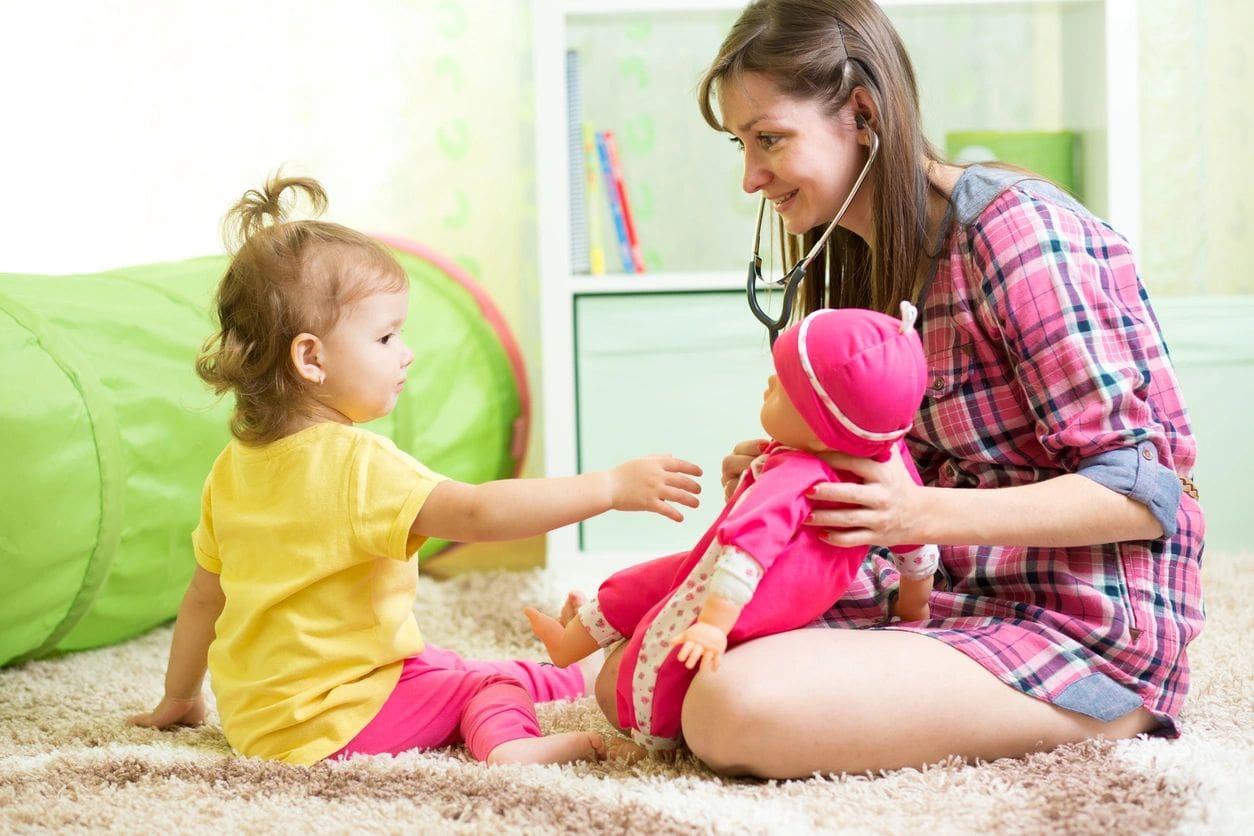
<point x="574" y="600"/>
<point x="551" y="632"/>
<point x="553" y="748"/>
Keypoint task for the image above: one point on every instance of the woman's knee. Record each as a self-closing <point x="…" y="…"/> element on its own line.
<point x="721" y="716"/>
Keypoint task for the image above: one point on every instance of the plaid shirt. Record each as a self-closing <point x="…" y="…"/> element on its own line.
<point x="1045" y="358"/>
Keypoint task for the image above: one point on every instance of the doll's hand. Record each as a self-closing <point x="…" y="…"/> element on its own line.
<point x="172" y="712"/>
<point x="702" y="643"/>
<point x="884" y="508"/>
<point x="648" y="484"/>
<point x="735" y="464"/>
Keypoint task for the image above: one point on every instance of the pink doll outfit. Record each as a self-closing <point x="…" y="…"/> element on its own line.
<point x="442" y="699"/>
<point x="856" y="377"/>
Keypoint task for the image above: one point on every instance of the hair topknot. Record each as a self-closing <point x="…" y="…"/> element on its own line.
<point x="286" y="277"/>
<point x="269" y="206"/>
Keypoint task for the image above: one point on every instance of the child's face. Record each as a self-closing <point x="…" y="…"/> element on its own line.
<point x="365" y="359"/>
<point x="782" y="422"/>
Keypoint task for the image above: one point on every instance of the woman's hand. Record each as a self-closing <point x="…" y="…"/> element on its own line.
<point x="884" y="510"/>
<point x="738" y="461"/>
<point x="650" y="483"/>
<point x="171" y="712"/>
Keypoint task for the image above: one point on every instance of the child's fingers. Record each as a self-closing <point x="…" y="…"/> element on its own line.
<point x="667" y="511"/>
<point x="684" y="483"/>
<point x="675" y="465"/>
<point x="682" y="497"/>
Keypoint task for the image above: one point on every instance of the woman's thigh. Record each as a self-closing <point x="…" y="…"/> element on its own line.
<point x="835" y="701"/>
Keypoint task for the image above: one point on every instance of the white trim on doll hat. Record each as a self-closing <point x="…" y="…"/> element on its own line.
<point x="908" y="316"/>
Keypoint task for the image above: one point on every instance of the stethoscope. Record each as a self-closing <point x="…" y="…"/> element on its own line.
<point x="793" y="279"/>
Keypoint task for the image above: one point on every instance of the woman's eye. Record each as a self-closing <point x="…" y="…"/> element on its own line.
<point x="735" y="140"/>
<point x="767" y="141"/>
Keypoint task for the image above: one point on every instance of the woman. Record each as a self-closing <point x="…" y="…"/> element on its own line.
<point x="1053" y="441"/>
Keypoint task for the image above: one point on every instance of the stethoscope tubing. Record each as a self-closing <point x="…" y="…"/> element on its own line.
<point x="791" y="282"/>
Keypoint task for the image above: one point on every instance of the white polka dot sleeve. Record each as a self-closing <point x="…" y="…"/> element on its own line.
<point x="917" y="564"/>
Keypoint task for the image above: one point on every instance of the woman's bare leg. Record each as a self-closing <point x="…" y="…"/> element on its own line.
<point x="607" y="684"/>
<point x="832" y="701"/>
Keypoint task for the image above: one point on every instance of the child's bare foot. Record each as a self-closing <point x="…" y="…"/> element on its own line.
<point x="553" y="748"/>
<point x="625" y="750"/>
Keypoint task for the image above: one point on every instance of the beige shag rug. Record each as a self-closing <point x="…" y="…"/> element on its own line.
<point x="68" y="764"/>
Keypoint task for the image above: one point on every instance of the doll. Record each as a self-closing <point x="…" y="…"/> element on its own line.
<point x="848" y="380"/>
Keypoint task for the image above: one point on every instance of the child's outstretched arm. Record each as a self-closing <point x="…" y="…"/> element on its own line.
<point x="513" y="508"/>
<point x="183" y="704"/>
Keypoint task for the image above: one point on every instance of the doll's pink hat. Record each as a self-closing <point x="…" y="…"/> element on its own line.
<point x="856" y="376"/>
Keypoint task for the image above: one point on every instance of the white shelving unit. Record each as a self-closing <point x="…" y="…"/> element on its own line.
<point x="1097" y="96"/>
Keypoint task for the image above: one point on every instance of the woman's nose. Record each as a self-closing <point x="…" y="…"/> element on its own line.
<point x="756" y="175"/>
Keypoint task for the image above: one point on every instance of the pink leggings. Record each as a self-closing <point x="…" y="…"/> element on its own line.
<point x="442" y="699"/>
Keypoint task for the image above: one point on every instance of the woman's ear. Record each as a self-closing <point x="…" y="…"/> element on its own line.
<point x="864" y="113"/>
<point x="307" y="358"/>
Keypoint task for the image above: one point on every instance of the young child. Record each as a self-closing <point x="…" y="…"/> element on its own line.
<point x="301" y="606"/>
<point x="849" y="380"/>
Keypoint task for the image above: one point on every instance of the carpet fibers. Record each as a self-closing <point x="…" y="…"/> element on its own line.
<point x="68" y="764"/>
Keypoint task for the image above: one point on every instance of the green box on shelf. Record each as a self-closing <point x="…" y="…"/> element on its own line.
<point x="1051" y="154"/>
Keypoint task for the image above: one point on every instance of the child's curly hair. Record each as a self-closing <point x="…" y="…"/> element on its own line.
<point x="286" y="277"/>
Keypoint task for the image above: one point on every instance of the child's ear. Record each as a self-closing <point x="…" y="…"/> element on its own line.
<point x="307" y="358"/>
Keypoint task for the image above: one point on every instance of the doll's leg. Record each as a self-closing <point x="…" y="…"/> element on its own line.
<point x="613" y="613"/>
<point x="565" y="645"/>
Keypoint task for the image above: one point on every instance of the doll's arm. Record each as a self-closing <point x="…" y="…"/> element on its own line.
<point x="513" y="508"/>
<point x="735" y="579"/>
<point x="705" y="641"/>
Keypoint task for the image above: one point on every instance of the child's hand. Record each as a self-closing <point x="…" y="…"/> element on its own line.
<point x="172" y="712"/>
<point x="648" y="484"/>
<point x="702" y="643"/>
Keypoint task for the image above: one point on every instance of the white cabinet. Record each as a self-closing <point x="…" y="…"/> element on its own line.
<point x="672" y="360"/>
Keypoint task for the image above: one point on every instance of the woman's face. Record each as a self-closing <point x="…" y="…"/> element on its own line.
<point x="798" y="156"/>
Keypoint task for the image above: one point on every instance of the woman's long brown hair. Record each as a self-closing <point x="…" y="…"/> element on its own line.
<point x="798" y="45"/>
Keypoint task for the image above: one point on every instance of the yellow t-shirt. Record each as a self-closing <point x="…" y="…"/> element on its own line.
<point x="310" y="537"/>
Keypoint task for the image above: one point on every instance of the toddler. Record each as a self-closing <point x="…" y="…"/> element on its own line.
<point x="848" y="380"/>
<point x="301" y="605"/>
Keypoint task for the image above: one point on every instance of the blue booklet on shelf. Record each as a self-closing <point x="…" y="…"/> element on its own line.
<point x="579" y="256"/>
<point x="616" y="206"/>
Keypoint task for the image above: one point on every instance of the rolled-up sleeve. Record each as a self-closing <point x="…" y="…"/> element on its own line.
<point x="1084" y="347"/>
<point x="1137" y="473"/>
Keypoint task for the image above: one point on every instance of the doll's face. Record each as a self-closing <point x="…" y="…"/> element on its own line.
<point x="782" y="422"/>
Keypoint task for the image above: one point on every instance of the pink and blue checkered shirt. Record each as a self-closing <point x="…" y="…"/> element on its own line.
<point x="1045" y="358"/>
